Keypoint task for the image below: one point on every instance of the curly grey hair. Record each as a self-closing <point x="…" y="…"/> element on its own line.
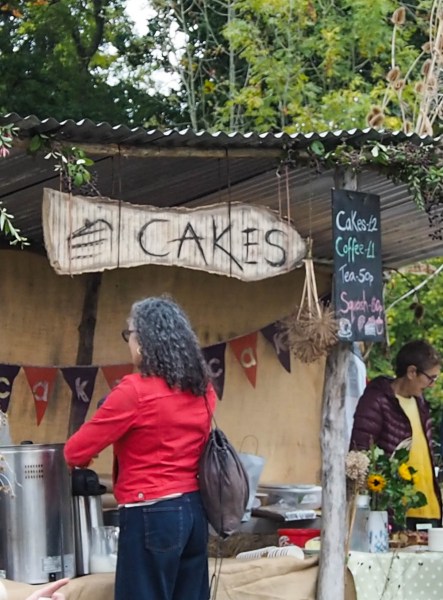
<point x="169" y="347"/>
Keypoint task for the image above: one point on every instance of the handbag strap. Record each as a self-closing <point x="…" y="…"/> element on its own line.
<point x="212" y="421"/>
<point x="215" y="577"/>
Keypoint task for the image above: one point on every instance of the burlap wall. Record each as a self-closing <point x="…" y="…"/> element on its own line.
<point x="41" y="312"/>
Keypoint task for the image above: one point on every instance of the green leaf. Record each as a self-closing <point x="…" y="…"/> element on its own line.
<point x="78" y="179"/>
<point x="317" y="148"/>
<point x="35" y="143"/>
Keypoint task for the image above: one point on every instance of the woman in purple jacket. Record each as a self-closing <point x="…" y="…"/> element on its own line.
<point x="393" y="411"/>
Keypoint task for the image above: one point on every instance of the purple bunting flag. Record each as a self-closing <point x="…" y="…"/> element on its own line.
<point x="215" y="357"/>
<point x="81" y="380"/>
<point x="7" y="375"/>
<point x="274" y="334"/>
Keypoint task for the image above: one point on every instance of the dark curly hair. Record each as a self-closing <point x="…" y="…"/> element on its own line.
<point x="169" y="347"/>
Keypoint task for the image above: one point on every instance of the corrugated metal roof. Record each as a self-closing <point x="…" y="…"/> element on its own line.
<point x="187" y="180"/>
<point x="103" y="133"/>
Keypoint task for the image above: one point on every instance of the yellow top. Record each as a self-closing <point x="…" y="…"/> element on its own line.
<point x="420" y="459"/>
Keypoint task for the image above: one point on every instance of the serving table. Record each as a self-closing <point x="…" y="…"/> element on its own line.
<point x="405" y="574"/>
<point x="283" y="578"/>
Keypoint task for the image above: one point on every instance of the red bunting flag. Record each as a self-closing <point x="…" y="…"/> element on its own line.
<point x="114" y="373"/>
<point x="41" y="381"/>
<point x="245" y="350"/>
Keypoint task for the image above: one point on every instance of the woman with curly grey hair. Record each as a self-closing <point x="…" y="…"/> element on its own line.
<point x="158" y="421"/>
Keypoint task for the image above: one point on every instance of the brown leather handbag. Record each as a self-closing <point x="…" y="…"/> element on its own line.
<point x="224" y="485"/>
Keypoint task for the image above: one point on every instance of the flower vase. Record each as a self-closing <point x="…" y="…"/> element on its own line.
<point x="378" y="531"/>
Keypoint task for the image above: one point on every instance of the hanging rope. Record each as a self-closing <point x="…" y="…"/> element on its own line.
<point x="119" y="174"/>
<point x="278" y="175"/>
<point x="311" y="330"/>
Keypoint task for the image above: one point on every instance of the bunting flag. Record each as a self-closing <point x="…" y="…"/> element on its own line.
<point x="7" y="375"/>
<point x="245" y="350"/>
<point x="41" y="381"/>
<point x="215" y="357"/>
<point x="81" y="380"/>
<point x="114" y="373"/>
<point x="274" y="334"/>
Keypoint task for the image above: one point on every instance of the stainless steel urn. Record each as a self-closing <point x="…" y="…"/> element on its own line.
<point x="36" y="521"/>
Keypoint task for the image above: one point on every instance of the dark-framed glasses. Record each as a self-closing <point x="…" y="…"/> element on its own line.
<point x="431" y="378"/>
<point x="126" y="333"/>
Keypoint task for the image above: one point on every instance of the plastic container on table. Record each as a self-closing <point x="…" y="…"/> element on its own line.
<point x="296" y="537"/>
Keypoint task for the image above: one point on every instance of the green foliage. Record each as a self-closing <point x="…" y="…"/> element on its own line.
<point x="283" y="65"/>
<point x="7" y="228"/>
<point x="70" y="162"/>
<point x="257" y="65"/>
<point x="420" y="167"/>
<point x="7" y="134"/>
<point x="69" y="59"/>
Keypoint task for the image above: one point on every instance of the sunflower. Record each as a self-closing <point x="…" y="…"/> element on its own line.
<point x="404" y="472"/>
<point x="376" y="483"/>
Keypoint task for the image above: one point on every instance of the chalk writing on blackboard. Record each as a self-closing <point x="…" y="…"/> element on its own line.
<point x="358" y="281"/>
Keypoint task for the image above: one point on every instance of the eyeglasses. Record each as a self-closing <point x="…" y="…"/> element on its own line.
<point x="126" y="333"/>
<point x="430" y="378"/>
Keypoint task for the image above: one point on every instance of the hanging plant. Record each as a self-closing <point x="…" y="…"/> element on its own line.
<point x="7" y="135"/>
<point x="311" y="329"/>
<point x="420" y="167"/>
<point x="72" y="164"/>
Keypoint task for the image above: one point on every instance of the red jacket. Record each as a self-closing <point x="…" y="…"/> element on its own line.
<point x="158" y="436"/>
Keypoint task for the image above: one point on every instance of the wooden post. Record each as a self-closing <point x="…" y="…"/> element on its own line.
<point x="331" y="577"/>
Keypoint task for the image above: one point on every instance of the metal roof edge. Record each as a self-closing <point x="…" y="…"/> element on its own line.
<point x="86" y="130"/>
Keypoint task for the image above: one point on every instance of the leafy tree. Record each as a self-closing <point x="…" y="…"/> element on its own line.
<point x="186" y="40"/>
<point x="284" y="64"/>
<point x="66" y="59"/>
<point x="292" y="65"/>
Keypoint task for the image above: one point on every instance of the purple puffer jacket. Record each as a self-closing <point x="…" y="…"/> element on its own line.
<point x="379" y="419"/>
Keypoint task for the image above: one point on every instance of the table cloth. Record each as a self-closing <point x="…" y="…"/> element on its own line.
<point x="400" y="575"/>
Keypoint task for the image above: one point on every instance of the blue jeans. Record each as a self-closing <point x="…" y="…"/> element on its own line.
<point x="162" y="553"/>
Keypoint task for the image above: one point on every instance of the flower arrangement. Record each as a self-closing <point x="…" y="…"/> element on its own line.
<point x="391" y="485"/>
<point x="388" y="480"/>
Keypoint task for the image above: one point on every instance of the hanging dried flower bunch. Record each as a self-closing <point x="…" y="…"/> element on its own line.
<point x="312" y="328"/>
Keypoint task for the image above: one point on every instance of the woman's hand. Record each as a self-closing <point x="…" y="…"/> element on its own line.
<point x="50" y="591"/>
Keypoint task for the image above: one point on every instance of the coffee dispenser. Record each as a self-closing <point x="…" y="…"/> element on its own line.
<point x="88" y="514"/>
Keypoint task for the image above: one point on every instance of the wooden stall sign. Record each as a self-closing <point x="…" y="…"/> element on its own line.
<point x="358" y="275"/>
<point x="238" y="240"/>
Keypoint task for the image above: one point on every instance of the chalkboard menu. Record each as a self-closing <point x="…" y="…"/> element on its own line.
<point x="358" y="285"/>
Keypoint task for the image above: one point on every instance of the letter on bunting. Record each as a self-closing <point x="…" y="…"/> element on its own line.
<point x="81" y="380"/>
<point x="245" y="350"/>
<point x="215" y="357"/>
<point x="41" y="381"/>
<point x="274" y="334"/>
<point x="7" y="375"/>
